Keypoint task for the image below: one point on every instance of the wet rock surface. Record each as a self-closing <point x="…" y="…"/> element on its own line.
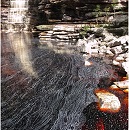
<point x="95" y="119"/>
<point x="47" y="11"/>
<point x="45" y="90"/>
<point x="75" y="10"/>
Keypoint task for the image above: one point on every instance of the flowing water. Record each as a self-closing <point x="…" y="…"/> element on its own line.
<point x="18" y="10"/>
<point x="45" y="86"/>
<point x="40" y="85"/>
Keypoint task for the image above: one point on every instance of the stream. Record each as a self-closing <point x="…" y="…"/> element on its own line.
<point x="45" y="86"/>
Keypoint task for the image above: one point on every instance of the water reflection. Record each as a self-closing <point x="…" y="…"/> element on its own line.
<point x="23" y="52"/>
<point x="59" y="46"/>
<point x="61" y="89"/>
<point x="21" y="44"/>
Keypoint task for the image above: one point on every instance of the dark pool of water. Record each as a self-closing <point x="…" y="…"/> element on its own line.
<point x="45" y="86"/>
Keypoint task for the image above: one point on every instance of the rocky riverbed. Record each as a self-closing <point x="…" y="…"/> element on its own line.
<point x="46" y="90"/>
<point x="68" y="73"/>
<point x="95" y="41"/>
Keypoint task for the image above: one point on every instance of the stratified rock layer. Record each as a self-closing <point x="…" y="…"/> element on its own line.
<point x="53" y="11"/>
<point x="50" y="11"/>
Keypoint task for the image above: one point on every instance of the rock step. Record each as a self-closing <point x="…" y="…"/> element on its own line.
<point x="62" y="32"/>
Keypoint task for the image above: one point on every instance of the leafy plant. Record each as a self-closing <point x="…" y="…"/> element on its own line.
<point x="98" y="12"/>
<point x="84" y="30"/>
<point x="114" y="5"/>
<point x="107" y="9"/>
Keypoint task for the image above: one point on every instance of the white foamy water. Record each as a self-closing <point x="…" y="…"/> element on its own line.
<point x="18" y="10"/>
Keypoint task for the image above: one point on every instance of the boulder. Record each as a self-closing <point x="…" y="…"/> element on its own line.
<point x="119" y="59"/>
<point x="108" y="102"/>
<point x="120" y="20"/>
<point x="117" y="49"/>
<point x="116" y="43"/>
<point x="121" y="31"/>
<point x="99" y="33"/>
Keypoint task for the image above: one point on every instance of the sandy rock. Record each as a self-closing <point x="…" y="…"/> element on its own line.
<point x="108" y="101"/>
<point x="43" y="33"/>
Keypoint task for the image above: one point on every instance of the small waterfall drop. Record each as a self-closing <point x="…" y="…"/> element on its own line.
<point x="18" y="14"/>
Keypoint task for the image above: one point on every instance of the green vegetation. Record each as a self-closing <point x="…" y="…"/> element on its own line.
<point x="114" y="5"/>
<point x="107" y="9"/>
<point x="98" y="12"/>
<point x="84" y="30"/>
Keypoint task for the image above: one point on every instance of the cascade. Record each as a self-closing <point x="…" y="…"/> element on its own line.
<point x="17" y="16"/>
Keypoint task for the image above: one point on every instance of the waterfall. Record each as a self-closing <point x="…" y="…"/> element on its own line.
<point x="18" y="18"/>
<point x="18" y="11"/>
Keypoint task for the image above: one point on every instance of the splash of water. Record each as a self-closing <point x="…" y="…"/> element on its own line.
<point x="20" y="43"/>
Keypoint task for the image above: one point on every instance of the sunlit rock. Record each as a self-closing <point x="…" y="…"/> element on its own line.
<point x="80" y="42"/>
<point x="116" y="62"/>
<point x="123" y="84"/>
<point x="64" y="28"/>
<point x="87" y="63"/>
<point x="119" y="59"/>
<point x="118" y="49"/>
<point x="108" y="52"/>
<point x="94" y="51"/>
<point x="62" y="37"/>
<point x="113" y="87"/>
<point x="123" y="39"/>
<point x="108" y="36"/>
<point x="49" y="32"/>
<point x="108" y="101"/>
<point x="60" y="33"/>
<point x="126" y="90"/>
<point x="102" y="49"/>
